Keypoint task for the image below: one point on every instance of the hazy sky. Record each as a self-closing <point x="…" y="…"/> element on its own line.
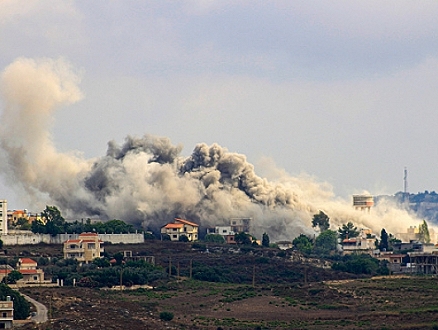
<point x="345" y="91"/>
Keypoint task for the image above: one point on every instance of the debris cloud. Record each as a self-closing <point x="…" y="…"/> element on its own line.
<point x="146" y="180"/>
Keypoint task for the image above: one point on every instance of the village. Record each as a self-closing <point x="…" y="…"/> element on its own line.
<point x="409" y="254"/>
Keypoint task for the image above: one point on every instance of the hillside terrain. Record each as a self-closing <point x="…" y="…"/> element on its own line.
<point x="254" y="288"/>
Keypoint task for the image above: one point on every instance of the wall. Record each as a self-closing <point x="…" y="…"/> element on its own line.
<point x="26" y="238"/>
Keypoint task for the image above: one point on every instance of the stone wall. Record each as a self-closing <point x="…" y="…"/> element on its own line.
<point x="26" y="238"/>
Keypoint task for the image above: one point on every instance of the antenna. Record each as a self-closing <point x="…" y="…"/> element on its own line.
<point x="405" y="180"/>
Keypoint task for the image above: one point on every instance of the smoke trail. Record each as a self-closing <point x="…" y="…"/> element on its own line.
<point x="146" y="180"/>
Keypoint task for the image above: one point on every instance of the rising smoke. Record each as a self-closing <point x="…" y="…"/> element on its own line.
<point x="146" y="180"/>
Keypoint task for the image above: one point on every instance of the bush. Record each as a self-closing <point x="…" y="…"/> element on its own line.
<point x="166" y="316"/>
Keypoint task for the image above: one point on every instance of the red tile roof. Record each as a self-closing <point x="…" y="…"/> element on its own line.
<point x="173" y="225"/>
<point x="27" y="261"/>
<point x="28" y="271"/>
<point x="186" y="222"/>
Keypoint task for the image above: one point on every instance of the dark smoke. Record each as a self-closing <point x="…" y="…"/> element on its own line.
<point x="146" y="180"/>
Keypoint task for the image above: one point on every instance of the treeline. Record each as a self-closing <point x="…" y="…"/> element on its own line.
<point x="53" y="223"/>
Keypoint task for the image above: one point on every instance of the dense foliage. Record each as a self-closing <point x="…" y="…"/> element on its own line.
<point x="322" y="221"/>
<point x="53" y="223"/>
<point x="361" y="264"/>
<point x="21" y="306"/>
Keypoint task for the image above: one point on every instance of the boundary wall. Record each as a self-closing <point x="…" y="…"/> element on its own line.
<point x="26" y="238"/>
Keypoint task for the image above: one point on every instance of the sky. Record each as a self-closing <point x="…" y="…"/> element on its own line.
<point x="341" y="91"/>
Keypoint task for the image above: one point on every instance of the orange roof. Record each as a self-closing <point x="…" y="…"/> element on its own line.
<point x="186" y="222"/>
<point x="28" y="271"/>
<point x="27" y="261"/>
<point x="5" y="271"/>
<point x="349" y="240"/>
<point x="73" y="241"/>
<point x="173" y="225"/>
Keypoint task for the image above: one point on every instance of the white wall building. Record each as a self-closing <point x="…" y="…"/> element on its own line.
<point x="3" y="217"/>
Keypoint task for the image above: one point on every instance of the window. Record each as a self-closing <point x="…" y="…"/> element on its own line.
<point x="91" y="246"/>
<point x="224" y="230"/>
<point x="5" y="314"/>
<point x="175" y="236"/>
<point x="35" y="278"/>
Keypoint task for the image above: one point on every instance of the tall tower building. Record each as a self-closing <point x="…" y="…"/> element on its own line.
<point x="3" y="217"/>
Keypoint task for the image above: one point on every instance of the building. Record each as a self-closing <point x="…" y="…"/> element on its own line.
<point x="363" y="202"/>
<point x="241" y="225"/>
<point x="28" y="268"/>
<point x="4" y="271"/>
<point x="180" y="227"/>
<point x="3" y="217"/>
<point x="87" y="247"/>
<point x="7" y="313"/>
<point x="363" y="243"/>
<point x="237" y="225"/>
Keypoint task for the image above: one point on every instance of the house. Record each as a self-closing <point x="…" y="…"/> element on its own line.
<point x="284" y="245"/>
<point x="28" y="268"/>
<point x="395" y="261"/>
<point x="180" y="227"/>
<point x="237" y="225"/>
<point x="87" y="247"/>
<point x="363" y="243"/>
<point x="6" y="313"/>
<point x="4" y="271"/>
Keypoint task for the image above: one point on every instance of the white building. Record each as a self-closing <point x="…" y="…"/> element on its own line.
<point x="3" y="217"/>
<point x="6" y="313"/>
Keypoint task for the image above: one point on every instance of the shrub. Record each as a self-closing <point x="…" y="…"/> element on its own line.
<point x="166" y="316"/>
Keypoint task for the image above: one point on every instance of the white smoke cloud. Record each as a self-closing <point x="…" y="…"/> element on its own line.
<point x="146" y="180"/>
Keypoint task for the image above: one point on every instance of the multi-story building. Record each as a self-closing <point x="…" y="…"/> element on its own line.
<point x="87" y="247"/>
<point x="180" y="228"/>
<point x="28" y="268"/>
<point x="6" y="313"/>
<point x="3" y="217"/>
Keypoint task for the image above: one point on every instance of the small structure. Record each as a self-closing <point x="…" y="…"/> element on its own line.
<point x="241" y="225"/>
<point x="363" y="202"/>
<point x="84" y="249"/>
<point x="4" y="271"/>
<point x="363" y="243"/>
<point x="237" y="225"/>
<point x="285" y="245"/>
<point x="3" y="217"/>
<point x="180" y="227"/>
<point x="28" y="268"/>
<point x="7" y="313"/>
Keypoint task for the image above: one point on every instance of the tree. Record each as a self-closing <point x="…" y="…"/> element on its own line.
<point x="55" y="223"/>
<point x="13" y="277"/>
<point x="423" y="232"/>
<point x="303" y="244"/>
<point x="214" y="238"/>
<point x="348" y="231"/>
<point x="21" y="306"/>
<point x="322" y="221"/>
<point x="326" y="242"/>
<point x="265" y="240"/>
<point x="243" y="238"/>
<point x="384" y="244"/>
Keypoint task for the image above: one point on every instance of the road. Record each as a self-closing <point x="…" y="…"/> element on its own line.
<point x="41" y="310"/>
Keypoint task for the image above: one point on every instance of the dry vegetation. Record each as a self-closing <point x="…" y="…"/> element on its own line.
<point x="286" y="295"/>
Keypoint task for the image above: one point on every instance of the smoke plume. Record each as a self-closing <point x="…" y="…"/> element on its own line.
<point x="146" y="179"/>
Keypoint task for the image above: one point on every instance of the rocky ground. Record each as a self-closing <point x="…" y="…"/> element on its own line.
<point x="385" y="303"/>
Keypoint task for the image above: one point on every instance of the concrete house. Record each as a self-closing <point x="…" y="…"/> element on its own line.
<point x="87" y="247"/>
<point x="6" y="313"/>
<point x="28" y="268"/>
<point x="180" y="227"/>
